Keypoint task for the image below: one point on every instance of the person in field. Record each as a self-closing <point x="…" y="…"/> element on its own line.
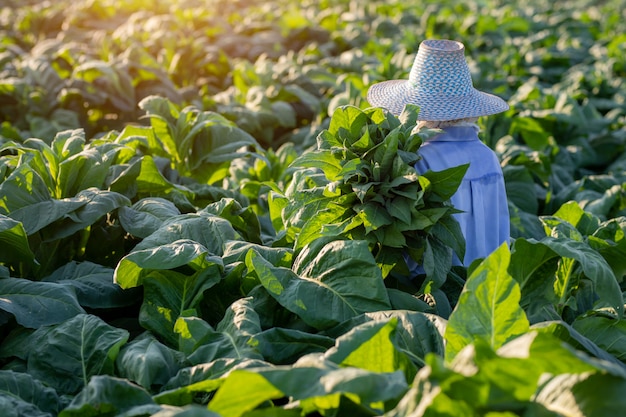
<point x="440" y="84"/>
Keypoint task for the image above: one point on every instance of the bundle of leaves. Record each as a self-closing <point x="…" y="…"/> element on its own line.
<point x="360" y="183"/>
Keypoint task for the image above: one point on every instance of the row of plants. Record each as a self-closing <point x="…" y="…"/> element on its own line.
<point x="201" y="215"/>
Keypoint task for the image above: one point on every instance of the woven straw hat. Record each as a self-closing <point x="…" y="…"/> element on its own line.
<point x="440" y="84"/>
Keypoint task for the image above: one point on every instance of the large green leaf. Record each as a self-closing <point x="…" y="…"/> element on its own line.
<point x="202" y="344"/>
<point x="13" y="406"/>
<point x="37" y="304"/>
<point x="594" y="267"/>
<point x="606" y="332"/>
<point x="520" y="188"/>
<point x="488" y="308"/>
<point x="572" y="337"/>
<point x="170" y="294"/>
<point x="372" y="346"/>
<point x="148" y="362"/>
<point x="323" y="160"/>
<point x="243" y="219"/>
<point x="133" y="267"/>
<point x="283" y="346"/>
<point x="533" y="265"/>
<point x="417" y="334"/>
<point x="444" y="183"/>
<point x="347" y="122"/>
<point x="99" y="203"/>
<point x="206" y="229"/>
<point x="26" y="388"/>
<point x="84" y="170"/>
<point x="25" y="186"/>
<point x="113" y="396"/>
<point x="67" y="216"/>
<point x="146" y="216"/>
<point x="36" y="216"/>
<point x="327" y="285"/>
<point x="14" y="242"/>
<point x="197" y="411"/>
<point x="244" y="390"/>
<point x="507" y="380"/>
<point x="589" y="394"/>
<point x="67" y="355"/>
<point x="93" y="285"/>
<point x="205" y="377"/>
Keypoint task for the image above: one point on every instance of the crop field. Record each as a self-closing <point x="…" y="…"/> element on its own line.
<point x="201" y="215"/>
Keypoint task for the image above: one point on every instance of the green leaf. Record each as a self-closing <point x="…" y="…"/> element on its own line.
<point x="609" y="241"/>
<point x="193" y="411"/>
<point x="14" y="242"/>
<point x="23" y="187"/>
<point x="133" y="267"/>
<point x="146" y="216"/>
<point x="202" y="344"/>
<point x="532" y="132"/>
<point x="595" y="268"/>
<point x="283" y="346"/>
<point x="29" y="390"/>
<point x="210" y="231"/>
<point x="572" y="337"/>
<point x="13" y="406"/>
<point x="445" y="183"/>
<point x="36" y="216"/>
<point x="202" y="378"/>
<point x="245" y="390"/>
<point x="71" y="215"/>
<point x="169" y="295"/>
<point x="588" y="394"/>
<point x="448" y="231"/>
<point x="107" y="395"/>
<point x="437" y="260"/>
<point x="607" y="333"/>
<point x="236" y="250"/>
<point x="572" y="213"/>
<point x="417" y="334"/>
<point x="347" y="122"/>
<point x="520" y="188"/>
<point x="93" y="285"/>
<point x="84" y="170"/>
<point x="67" y="355"/>
<point x="533" y="265"/>
<point x="244" y="220"/>
<point x="371" y="346"/>
<point x="323" y="160"/>
<point x="37" y="304"/>
<point x="488" y="308"/>
<point x="148" y="362"/>
<point x="326" y="285"/>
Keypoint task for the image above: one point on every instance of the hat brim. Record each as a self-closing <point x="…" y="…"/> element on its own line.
<point x="393" y="95"/>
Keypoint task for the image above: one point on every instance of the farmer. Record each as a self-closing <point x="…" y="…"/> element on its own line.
<point x="441" y="85"/>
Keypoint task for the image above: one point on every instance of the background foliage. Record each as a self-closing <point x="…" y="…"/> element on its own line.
<point x="188" y="224"/>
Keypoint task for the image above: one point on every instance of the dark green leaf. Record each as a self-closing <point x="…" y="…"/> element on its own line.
<point x="326" y="286"/>
<point x="37" y="304"/>
<point x="69" y="354"/>
<point x="146" y="216"/>
<point x="93" y="285"/>
<point x="148" y="362"/>
<point x="24" y="387"/>
<point x="285" y="346"/>
<point x="113" y="396"/>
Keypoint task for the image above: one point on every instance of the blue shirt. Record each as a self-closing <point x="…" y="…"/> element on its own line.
<point x="482" y="197"/>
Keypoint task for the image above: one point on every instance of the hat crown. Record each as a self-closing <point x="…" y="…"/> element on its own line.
<point x="440" y="69"/>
